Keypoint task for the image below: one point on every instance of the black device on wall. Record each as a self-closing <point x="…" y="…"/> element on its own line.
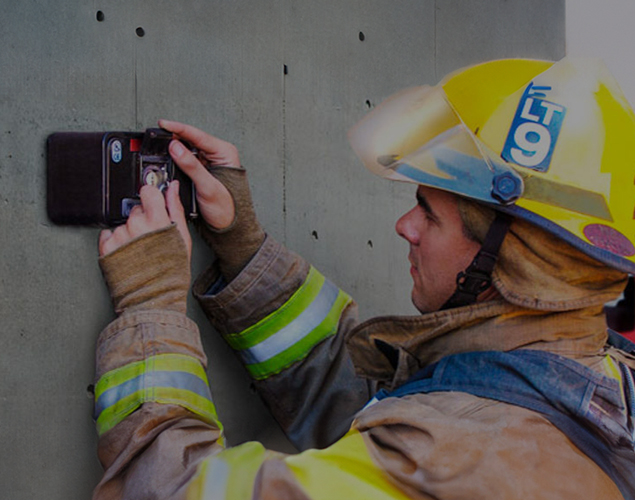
<point x="94" y="178"/>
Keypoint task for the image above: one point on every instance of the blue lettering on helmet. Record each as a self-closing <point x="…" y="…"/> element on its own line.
<point x="534" y="131"/>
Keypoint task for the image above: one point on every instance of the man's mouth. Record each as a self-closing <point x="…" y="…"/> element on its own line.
<point x="413" y="267"/>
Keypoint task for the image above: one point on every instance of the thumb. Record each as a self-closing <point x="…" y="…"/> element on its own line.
<point x="177" y="214"/>
<point x="188" y="163"/>
<point x="104" y="236"/>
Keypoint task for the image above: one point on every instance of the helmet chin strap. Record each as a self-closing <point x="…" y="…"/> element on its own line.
<point x="478" y="276"/>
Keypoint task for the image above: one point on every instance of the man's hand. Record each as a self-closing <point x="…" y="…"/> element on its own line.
<point x="214" y="200"/>
<point x="155" y="212"/>
<point x="229" y="223"/>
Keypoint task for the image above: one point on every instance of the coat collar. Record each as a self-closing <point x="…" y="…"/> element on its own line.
<point x="390" y="349"/>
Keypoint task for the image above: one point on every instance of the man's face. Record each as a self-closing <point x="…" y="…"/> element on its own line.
<point x="439" y="247"/>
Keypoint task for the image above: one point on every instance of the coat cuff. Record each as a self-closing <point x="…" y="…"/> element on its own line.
<point x="150" y="272"/>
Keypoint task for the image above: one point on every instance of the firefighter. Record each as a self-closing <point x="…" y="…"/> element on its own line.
<point x="506" y="385"/>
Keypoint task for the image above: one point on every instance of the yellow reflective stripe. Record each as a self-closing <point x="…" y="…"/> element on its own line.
<point x="281" y="317"/>
<point x="195" y="403"/>
<point x="230" y="475"/>
<point x="304" y="343"/>
<point x="288" y="334"/>
<point x="161" y="362"/>
<point x="197" y="483"/>
<point x="166" y="378"/>
<point x="344" y="470"/>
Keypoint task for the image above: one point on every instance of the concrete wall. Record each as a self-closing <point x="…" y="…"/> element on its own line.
<point x="220" y="66"/>
<point x="604" y="29"/>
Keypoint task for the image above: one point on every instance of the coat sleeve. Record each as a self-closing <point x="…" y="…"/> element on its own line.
<point x="152" y="404"/>
<point x="287" y="323"/>
<point x="160" y="437"/>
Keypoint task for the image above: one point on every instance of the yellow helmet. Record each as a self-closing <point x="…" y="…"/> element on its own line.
<point x="552" y="143"/>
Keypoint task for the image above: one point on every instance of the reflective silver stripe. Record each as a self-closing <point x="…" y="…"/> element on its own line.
<point x="216" y="478"/>
<point x="295" y="331"/>
<point x="176" y="380"/>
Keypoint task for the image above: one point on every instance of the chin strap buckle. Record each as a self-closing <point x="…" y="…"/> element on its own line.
<point x="478" y="276"/>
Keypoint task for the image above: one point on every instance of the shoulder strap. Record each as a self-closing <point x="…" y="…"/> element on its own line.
<point x="628" y="373"/>
<point x="554" y="386"/>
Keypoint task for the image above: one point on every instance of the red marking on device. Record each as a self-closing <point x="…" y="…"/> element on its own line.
<point x="135" y="145"/>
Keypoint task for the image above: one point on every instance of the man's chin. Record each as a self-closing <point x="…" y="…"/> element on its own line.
<point x="420" y="304"/>
<point x="427" y="306"/>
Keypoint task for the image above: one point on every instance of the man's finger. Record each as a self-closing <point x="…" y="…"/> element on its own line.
<point x="188" y="163"/>
<point x="109" y="241"/>
<point x="177" y="214"/>
<point x="173" y="203"/>
<point x="104" y="236"/>
<point x="211" y="146"/>
<point x="208" y="188"/>
<point x="153" y="204"/>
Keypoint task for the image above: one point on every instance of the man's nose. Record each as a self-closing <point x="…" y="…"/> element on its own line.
<point x="405" y="227"/>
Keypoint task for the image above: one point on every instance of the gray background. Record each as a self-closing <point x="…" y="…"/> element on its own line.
<point x="217" y="65"/>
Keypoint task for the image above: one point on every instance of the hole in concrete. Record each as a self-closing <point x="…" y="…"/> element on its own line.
<point x="369" y="104"/>
<point x="314" y="234"/>
<point x="140" y="32"/>
<point x="100" y="16"/>
<point x="285" y="69"/>
<point x="370" y="243"/>
<point x="362" y="37"/>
